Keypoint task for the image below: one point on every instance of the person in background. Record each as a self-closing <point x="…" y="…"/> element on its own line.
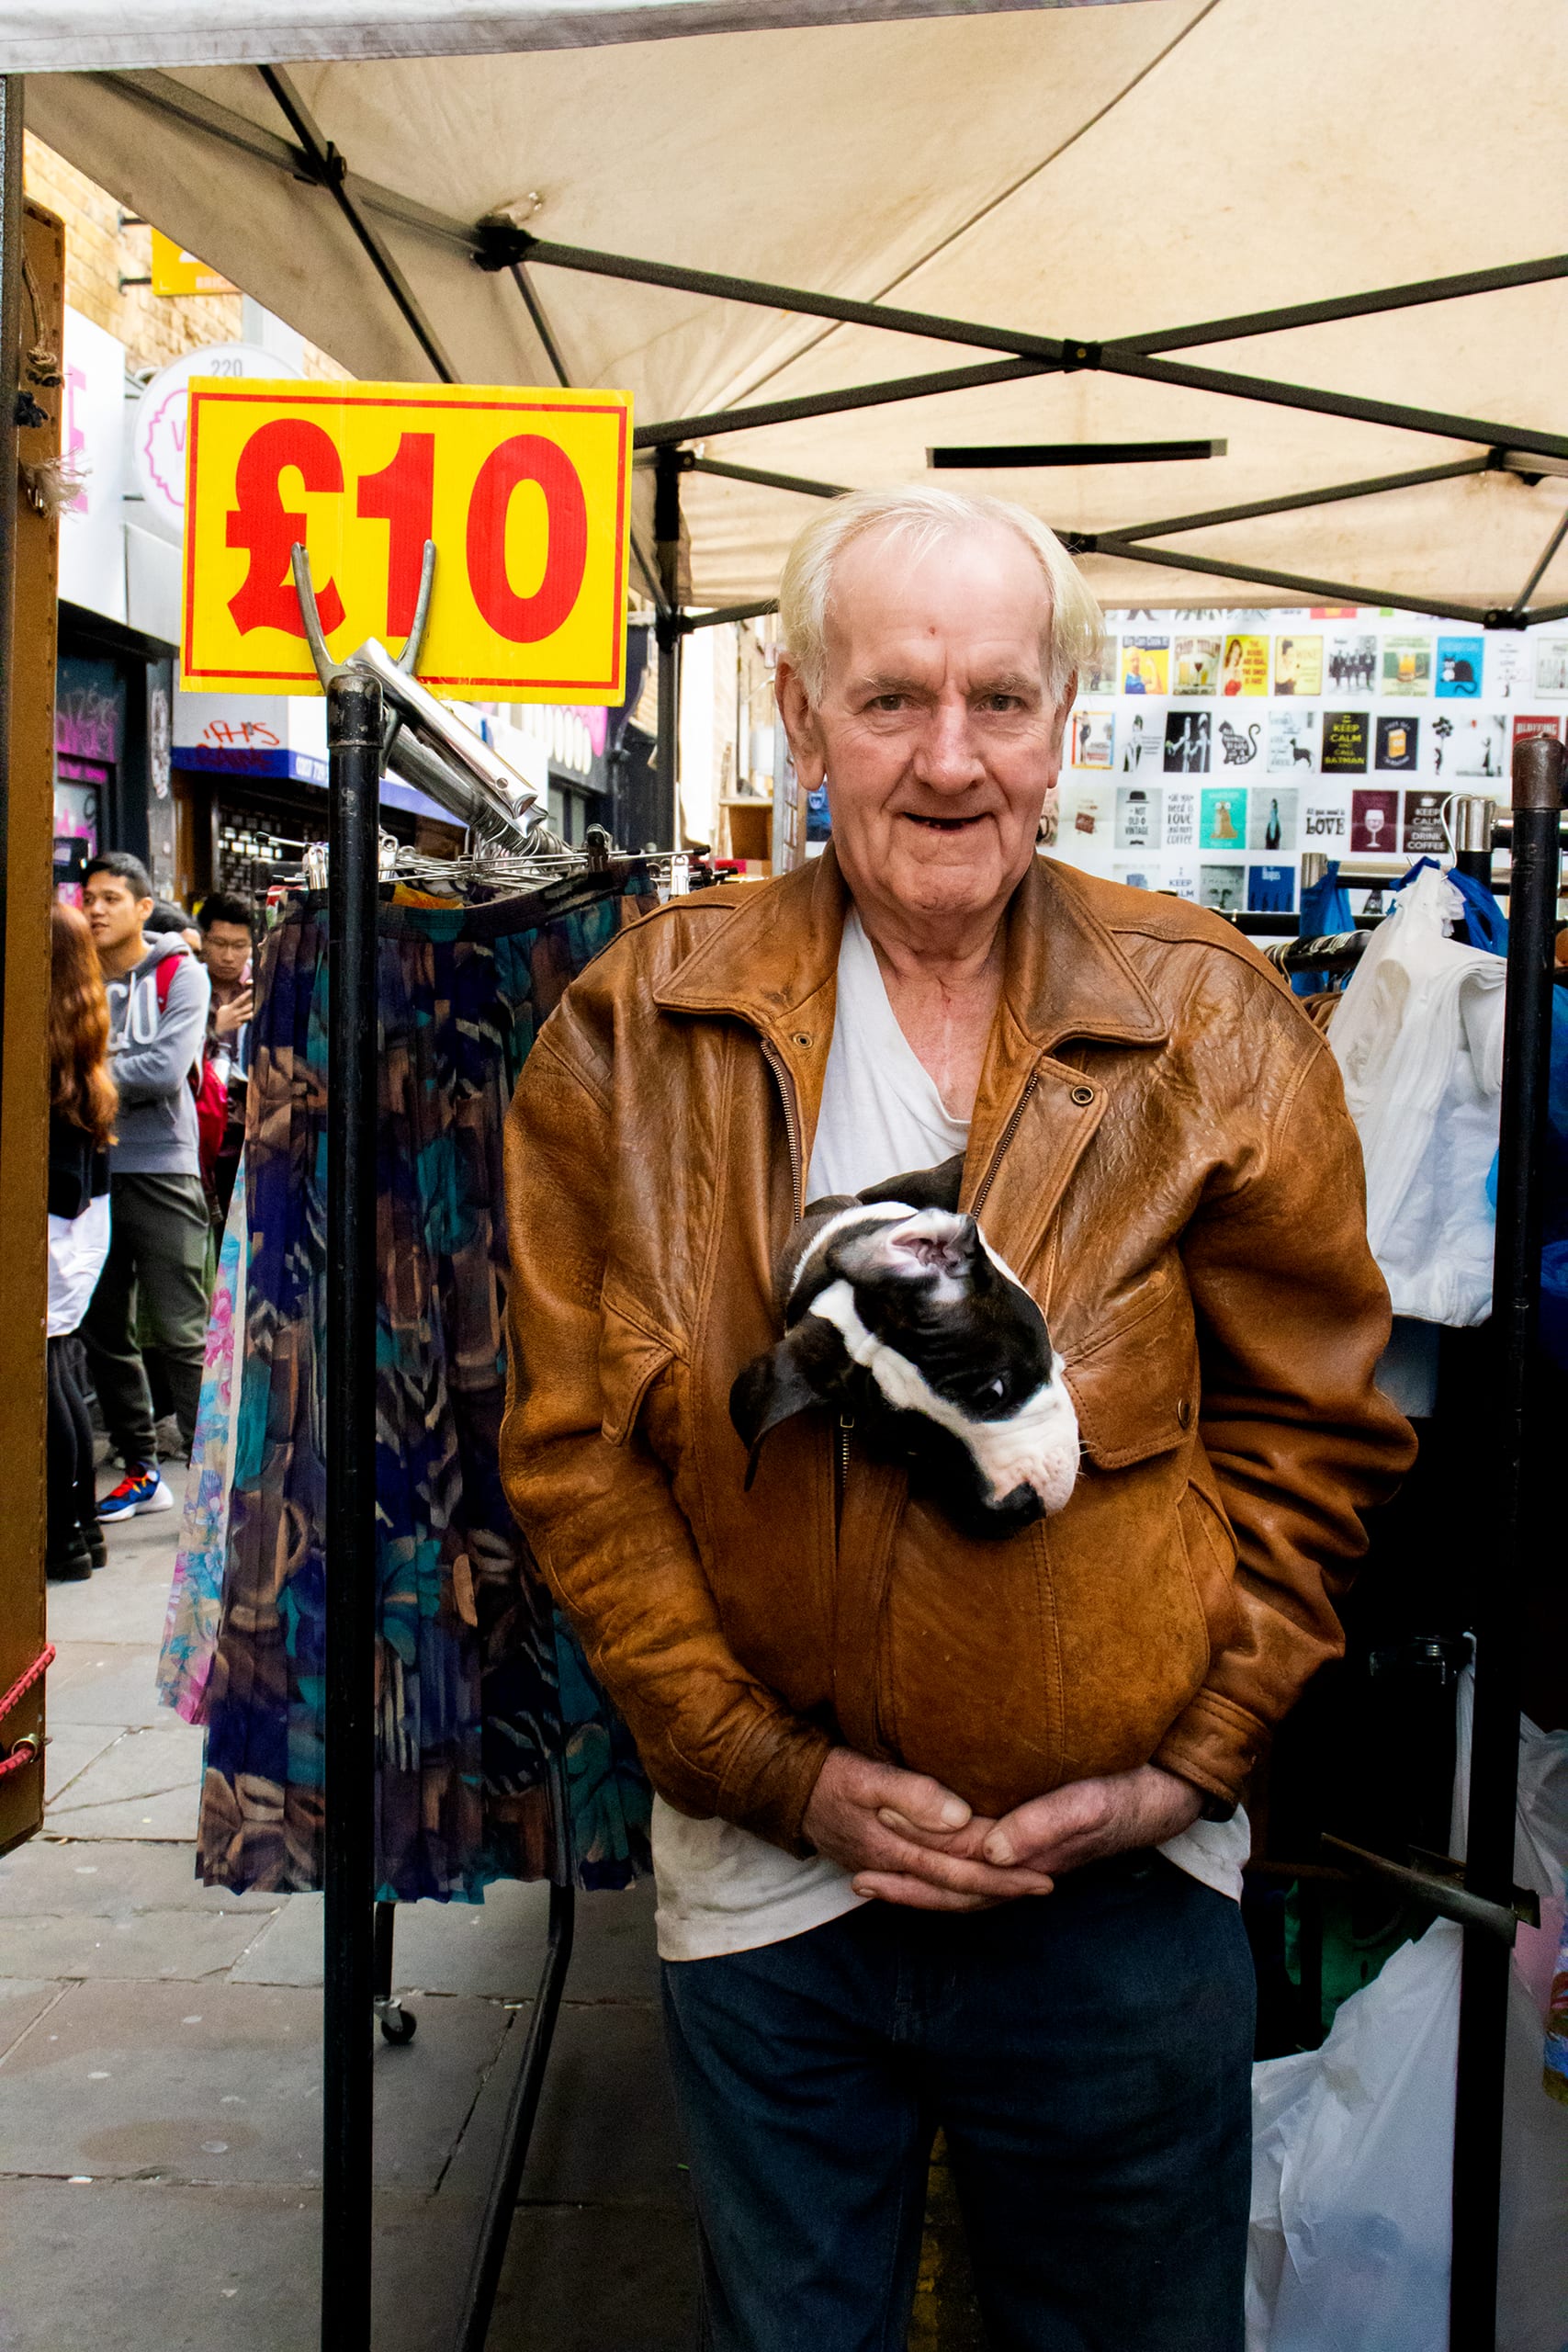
<point x="167" y="917"/>
<point x="157" y="998"/>
<point x="81" y="1127"/>
<point x="228" y="938"/>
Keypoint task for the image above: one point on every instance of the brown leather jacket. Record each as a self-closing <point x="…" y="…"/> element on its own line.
<point x="1160" y="1149"/>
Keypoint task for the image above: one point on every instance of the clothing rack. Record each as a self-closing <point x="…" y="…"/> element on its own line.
<point x="1480" y="1893"/>
<point x="359" y="1930"/>
<point x="1338" y="951"/>
<point x="1535" y="853"/>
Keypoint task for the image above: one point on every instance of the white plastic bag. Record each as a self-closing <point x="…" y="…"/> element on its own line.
<point x="1420" y="1042"/>
<point x="1352" y="2166"/>
<point x="1353" y="2143"/>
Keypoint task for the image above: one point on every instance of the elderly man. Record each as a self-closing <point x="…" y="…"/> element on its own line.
<point x="946" y="1831"/>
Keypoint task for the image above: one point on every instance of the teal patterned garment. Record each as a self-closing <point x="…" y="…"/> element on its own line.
<point x="500" y="1757"/>
<point x="190" y="1629"/>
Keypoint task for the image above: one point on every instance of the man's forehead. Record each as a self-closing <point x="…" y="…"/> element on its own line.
<point x="978" y="592"/>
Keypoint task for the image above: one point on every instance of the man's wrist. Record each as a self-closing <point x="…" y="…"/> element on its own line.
<point x="1210" y="1807"/>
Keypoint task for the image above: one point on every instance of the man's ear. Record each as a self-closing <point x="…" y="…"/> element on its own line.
<point x="772" y="1388"/>
<point x="801" y="724"/>
<point x="1068" y="696"/>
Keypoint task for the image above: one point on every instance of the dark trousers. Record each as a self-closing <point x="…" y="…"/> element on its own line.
<point x="71" y="1486"/>
<point x="1088" y="2055"/>
<point x="158" y="1235"/>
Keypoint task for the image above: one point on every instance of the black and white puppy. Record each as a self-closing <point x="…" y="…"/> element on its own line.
<point x="897" y="1310"/>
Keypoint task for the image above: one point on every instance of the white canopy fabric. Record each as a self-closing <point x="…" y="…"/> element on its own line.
<point x="1085" y="172"/>
<point x="37" y="37"/>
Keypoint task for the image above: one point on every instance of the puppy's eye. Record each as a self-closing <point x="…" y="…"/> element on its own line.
<point x="998" y="1388"/>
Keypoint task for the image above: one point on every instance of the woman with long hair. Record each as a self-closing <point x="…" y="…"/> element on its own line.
<point x="82" y="1104"/>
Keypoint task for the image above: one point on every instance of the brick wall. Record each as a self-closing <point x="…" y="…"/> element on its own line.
<point x="153" y="328"/>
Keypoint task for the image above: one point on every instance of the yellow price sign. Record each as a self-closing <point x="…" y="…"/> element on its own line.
<point x="526" y="494"/>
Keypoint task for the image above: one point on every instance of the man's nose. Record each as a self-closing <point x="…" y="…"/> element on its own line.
<point x="947" y="758"/>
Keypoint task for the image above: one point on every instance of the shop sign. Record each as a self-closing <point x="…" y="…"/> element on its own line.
<point x="251" y="735"/>
<point x="92" y="534"/>
<point x="158" y="436"/>
<point x="176" y="271"/>
<point x="525" y="493"/>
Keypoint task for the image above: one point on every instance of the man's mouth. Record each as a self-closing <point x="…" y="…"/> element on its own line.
<point x="939" y="824"/>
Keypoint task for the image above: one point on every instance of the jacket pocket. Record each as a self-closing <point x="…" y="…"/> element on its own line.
<point x="1210" y="1564"/>
<point x="630" y="1360"/>
<point x="1135" y="1387"/>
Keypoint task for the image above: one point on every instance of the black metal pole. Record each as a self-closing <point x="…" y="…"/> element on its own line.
<point x="485" y="2276"/>
<point x="353" y="768"/>
<point x="10" y="387"/>
<point x="669" y="466"/>
<point x="1494" y="1750"/>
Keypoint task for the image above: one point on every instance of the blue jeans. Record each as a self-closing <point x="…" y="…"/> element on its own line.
<point x="1088" y="2055"/>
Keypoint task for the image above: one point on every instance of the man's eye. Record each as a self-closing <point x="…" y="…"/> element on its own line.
<point x="1002" y="702"/>
<point x="888" y="702"/>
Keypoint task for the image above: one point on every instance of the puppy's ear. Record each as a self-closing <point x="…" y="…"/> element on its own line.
<point x="772" y="1388"/>
<point x="923" y="1188"/>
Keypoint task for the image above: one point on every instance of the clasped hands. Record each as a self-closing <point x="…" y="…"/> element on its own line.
<point x="905" y="1839"/>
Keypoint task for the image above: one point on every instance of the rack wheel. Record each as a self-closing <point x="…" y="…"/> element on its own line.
<point x="398" y="2024"/>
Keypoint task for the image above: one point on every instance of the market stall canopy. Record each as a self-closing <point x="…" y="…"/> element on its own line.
<point x="1045" y="205"/>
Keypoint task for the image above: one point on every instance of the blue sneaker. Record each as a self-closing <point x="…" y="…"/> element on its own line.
<point x="140" y="1489"/>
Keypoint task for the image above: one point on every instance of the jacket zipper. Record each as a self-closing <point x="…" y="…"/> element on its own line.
<point x="785" y="1084"/>
<point x="1005" y="1138"/>
<point x="774" y="1060"/>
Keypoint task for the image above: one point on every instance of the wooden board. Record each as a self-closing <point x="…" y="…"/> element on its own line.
<point x="24" y="1116"/>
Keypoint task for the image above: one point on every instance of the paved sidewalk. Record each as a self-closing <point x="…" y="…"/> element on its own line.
<point x="160" y="2068"/>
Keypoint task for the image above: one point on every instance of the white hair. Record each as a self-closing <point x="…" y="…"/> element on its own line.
<point x="920" y="516"/>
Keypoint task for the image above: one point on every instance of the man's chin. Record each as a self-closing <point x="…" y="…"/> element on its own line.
<point x="945" y="873"/>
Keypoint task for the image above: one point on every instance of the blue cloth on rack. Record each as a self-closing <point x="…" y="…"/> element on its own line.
<point x="1325" y="911"/>
<point x="486" y="1710"/>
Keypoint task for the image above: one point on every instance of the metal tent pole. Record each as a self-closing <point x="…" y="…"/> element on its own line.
<point x="1494" y="1751"/>
<point x="354" y="763"/>
<point x="669" y="467"/>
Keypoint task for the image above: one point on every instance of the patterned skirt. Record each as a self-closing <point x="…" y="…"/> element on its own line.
<point x="500" y="1757"/>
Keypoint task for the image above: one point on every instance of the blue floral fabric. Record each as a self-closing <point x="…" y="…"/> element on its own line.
<point x="500" y="1757"/>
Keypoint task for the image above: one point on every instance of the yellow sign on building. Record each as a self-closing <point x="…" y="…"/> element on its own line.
<point x="177" y="272"/>
<point x="526" y="494"/>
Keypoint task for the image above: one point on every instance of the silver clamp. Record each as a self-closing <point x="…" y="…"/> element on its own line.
<point x="425" y="743"/>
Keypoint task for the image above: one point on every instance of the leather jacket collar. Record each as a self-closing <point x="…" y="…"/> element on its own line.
<point x="774" y="965"/>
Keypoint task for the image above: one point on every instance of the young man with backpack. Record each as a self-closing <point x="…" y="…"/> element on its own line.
<point x="228" y="938"/>
<point x="158" y="998"/>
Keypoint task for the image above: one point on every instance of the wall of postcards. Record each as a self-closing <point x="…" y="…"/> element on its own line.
<point x="1207" y="751"/>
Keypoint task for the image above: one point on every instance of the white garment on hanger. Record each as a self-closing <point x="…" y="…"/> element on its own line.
<point x="1418" y="1038"/>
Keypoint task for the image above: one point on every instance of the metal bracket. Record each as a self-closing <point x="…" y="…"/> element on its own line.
<point x="500" y="245"/>
<point x="424" y="743"/>
<point x="1438" y="1881"/>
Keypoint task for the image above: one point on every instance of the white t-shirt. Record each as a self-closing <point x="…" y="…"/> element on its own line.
<point x="77" y="1248"/>
<point x="721" y="1889"/>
